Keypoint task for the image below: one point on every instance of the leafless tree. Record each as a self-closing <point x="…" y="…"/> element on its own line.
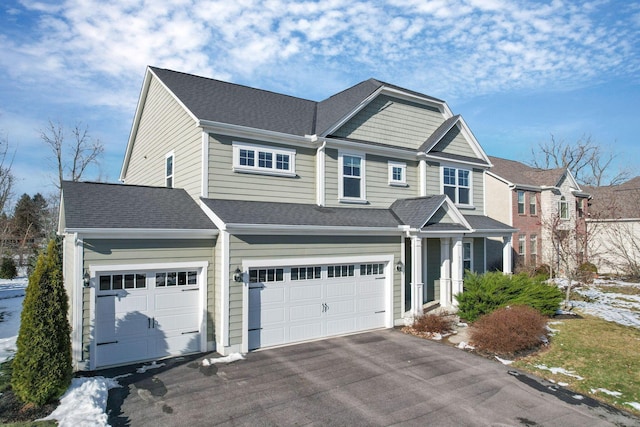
<point x="589" y="162"/>
<point x="6" y="176"/>
<point x="71" y="158"/>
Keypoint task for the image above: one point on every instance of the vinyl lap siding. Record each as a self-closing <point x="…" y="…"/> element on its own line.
<point x="454" y="143"/>
<point x="393" y="121"/>
<point x="287" y="247"/>
<point x="121" y="252"/>
<point x="379" y="193"/>
<point x="224" y="183"/>
<point x="164" y="127"/>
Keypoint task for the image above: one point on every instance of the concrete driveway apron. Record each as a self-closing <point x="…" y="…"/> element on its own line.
<point x="377" y="378"/>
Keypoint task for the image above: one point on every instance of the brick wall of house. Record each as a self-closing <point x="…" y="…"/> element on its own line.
<point x="528" y="224"/>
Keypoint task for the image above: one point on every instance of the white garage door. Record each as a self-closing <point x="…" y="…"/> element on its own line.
<point x="290" y="304"/>
<point x="146" y="315"/>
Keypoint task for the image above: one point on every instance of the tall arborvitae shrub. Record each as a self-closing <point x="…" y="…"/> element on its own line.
<point x="8" y="269"/>
<point x="42" y="366"/>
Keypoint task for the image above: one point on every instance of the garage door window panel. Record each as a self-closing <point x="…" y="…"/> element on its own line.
<point x="306" y="273"/>
<point x="334" y="271"/>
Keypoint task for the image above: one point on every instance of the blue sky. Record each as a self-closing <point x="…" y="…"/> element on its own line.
<point x="518" y="71"/>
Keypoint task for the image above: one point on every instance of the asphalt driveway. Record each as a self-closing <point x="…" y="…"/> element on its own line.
<point x="377" y="378"/>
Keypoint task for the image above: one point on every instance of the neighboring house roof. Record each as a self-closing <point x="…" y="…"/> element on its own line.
<point x="484" y="223"/>
<point x="275" y="213"/>
<point x="615" y="201"/>
<point x="520" y="174"/>
<point x="89" y="205"/>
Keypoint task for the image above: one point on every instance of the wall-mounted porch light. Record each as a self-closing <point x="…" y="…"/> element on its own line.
<point x="86" y="279"/>
<point x="237" y="275"/>
<point x="399" y="266"/>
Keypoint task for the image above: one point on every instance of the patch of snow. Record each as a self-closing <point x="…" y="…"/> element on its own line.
<point x="577" y="397"/>
<point x="562" y="384"/>
<point x="145" y="368"/>
<point x="614" y="307"/>
<point x="226" y="359"/>
<point x="560" y="371"/>
<point x="462" y="324"/>
<point x="12" y="294"/>
<point x="117" y="377"/>
<point x="605" y="391"/>
<point x="463" y="346"/>
<point x="84" y="403"/>
<point x="634" y="405"/>
<point x="504" y="361"/>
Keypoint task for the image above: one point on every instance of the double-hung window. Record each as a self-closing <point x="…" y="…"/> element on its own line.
<point x="351" y="180"/>
<point x="398" y="174"/>
<point x="563" y="208"/>
<point x="457" y="185"/>
<point x="520" y="202"/>
<point x="168" y="170"/>
<point x="467" y="256"/>
<point x="251" y="158"/>
<point x="532" y="204"/>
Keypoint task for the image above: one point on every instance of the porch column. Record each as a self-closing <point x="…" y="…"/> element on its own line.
<point x="416" y="276"/>
<point x="507" y="254"/>
<point x="445" y="272"/>
<point x="457" y="269"/>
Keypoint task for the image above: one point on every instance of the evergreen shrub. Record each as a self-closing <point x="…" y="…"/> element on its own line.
<point x="8" y="269"/>
<point x="42" y="365"/>
<point x="484" y="293"/>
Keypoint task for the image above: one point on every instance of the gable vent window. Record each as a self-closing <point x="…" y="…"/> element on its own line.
<point x="457" y="185"/>
<point x="250" y="158"/>
<point x="168" y="170"/>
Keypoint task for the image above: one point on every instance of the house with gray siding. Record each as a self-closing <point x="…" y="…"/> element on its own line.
<point x="249" y="219"/>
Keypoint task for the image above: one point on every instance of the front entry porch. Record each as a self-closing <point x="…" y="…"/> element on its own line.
<point x="435" y="267"/>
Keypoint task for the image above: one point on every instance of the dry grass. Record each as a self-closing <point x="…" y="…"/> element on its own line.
<point x="604" y="353"/>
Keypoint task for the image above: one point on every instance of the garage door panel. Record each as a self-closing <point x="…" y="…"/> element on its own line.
<point x="130" y="302"/>
<point x="176" y="345"/>
<point x="371" y="321"/>
<point x="341" y="326"/>
<point x="122" y="351"/>
<point x="270" y="295"/>
<point x="307" y="331"/>
<point x="305" y="312"/>
<point x="341" y="289"/>
<point x="176" y="300"/>
<point x="306" y="292"/>
<point x="370" y="304"/>
<point x="177" y="322"/>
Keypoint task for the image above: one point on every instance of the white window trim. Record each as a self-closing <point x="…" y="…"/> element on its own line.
<point x="462" y="205"/>
<point x="524" y="202"/>
<point x="173" y="170"/>
<point x="274" y="151"/>
<point x="363" y="185"/>
<point x="470" y="242"/>
<point x="522" y="241"/>
<point x="563" y="201"/>
<point x="533" y="198"/>
<point x="403" y="181"/>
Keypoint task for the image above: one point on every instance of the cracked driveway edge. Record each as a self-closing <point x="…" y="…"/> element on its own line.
<point x="376" y="378"/>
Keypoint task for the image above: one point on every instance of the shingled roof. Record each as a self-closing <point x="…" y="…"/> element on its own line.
<point x="90" y="205"/>
<point x="615" y="201"/>
<point x="521" y="174"/>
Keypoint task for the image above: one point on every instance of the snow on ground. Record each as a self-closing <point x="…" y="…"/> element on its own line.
<point x="614" y="307"/>
<point x="84" y="403"/>
<point x="11" y="297"/>
<point x="145" y="368"/>
<point x="226" y="359"/>
<point x="561" y="371"/>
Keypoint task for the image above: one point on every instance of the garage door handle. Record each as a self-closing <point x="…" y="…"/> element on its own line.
<point x="152" y="322"/>
<point x="108" y="295"/>
<point x="190" y="332"/>
<point x="381" y="311"/>
<point x="187" y="290"/>
<point x="325" y="307"/>
<point x="108" y="342"/>
<point x="380" y="278"/>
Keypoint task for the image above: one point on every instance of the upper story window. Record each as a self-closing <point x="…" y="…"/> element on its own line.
<point x="398" y="174"/>
<point x="532" y="204"/>
<point x="263" y="160"/>
<point x="580" y="207"/>
<point x="563" y="208"/>
<point x="168" y="170"/>
<point x="457" y="185"/>
<point x="521" y="202"/>
<point x="351" y="182"/>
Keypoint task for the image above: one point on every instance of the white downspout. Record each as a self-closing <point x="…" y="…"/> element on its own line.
<point x="320" y="175"/>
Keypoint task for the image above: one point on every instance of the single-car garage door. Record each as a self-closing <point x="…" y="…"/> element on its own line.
<point x="146" y="315"/>
<point x="290" y="304"/>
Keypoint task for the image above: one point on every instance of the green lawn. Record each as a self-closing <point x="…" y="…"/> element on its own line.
<point x="606" y="355"/>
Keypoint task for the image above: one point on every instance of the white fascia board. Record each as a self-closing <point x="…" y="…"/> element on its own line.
<point x="475" y="145"/>
<point x="217" y="221"/>
<point x="268" y="229"/>
<point x="455" y="212"/>
<point x="493" y="233"/>
<point x="292" y="262"/>
<point x="259" y="134"/>
<point x="434" y="143"/>
<point x="397" y="153"/>
<point x="141" y="233"/>
<point x="454" y="161"/>
<point x="441" y="233"/>
<point x="499" y="178"/>
<point x="574" y="183"/>
<point x="398" y="93"/>
<point x="525" y="187"/>
<point x="611" y="220"/>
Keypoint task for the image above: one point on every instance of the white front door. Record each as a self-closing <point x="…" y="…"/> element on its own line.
<point x="146" y="315"/>
<point x="291" y="304"/>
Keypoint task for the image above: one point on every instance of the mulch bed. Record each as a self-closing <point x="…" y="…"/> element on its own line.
<point x="13" y="410"/>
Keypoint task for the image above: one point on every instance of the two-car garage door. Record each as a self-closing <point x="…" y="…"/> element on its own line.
<point x="298" y="303"/>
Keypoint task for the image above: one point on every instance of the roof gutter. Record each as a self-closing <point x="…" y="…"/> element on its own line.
<point x="310" y="230"/>
<point x="141" y="233"/>
<point x="254" y="133"/>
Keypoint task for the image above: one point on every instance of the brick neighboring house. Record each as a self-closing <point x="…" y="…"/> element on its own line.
<point x="614" y="227"/>
<point x="547" y="206"/>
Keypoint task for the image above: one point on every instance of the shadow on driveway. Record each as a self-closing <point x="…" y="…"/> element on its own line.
<point x="377" y="378"/>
